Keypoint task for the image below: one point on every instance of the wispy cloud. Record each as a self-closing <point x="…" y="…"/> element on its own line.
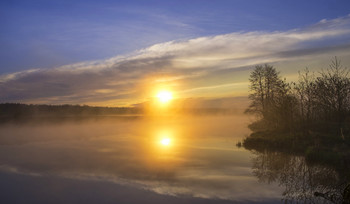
<point x="189" y="65"/>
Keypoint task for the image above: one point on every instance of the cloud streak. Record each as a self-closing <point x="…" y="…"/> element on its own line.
<point x="181" y="65"/>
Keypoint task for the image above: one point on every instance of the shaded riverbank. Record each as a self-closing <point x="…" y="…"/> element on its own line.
<point x="312" y="169"/>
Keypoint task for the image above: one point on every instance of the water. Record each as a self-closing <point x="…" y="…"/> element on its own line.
<point x="139" y="160"/>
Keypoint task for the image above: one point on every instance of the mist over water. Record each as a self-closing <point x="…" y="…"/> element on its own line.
<point x="200" y="159"/>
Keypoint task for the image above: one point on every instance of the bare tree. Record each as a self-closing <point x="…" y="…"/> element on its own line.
<point x="270" y="97"/>
<point x="315" y="104"/>
<point x="305" y="94"/>
<point x="333" y="93"/>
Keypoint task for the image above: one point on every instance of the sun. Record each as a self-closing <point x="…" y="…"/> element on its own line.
<point x="165" y="141"/>
<point x="164" y="96"/>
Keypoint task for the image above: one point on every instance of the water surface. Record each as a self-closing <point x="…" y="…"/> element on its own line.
<point x="116" y="160"/>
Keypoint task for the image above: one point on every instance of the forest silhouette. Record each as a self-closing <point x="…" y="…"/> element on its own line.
<point x="302" y="132"/>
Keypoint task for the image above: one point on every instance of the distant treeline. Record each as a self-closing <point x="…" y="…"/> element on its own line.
<point x="17" y="110"/>
<point x="23" y="112"/>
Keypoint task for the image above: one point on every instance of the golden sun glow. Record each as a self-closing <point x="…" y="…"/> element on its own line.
<point x="164" y="96"/>
<point x="165" y="141"/>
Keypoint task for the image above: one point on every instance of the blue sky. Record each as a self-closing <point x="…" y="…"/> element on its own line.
<point x="45" y="34"/>
<point x="119" y="53"/>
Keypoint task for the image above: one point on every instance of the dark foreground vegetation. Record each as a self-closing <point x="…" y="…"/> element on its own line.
<point x="309" y="118"/>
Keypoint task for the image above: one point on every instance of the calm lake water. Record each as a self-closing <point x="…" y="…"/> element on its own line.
<point x="142" y="160"/>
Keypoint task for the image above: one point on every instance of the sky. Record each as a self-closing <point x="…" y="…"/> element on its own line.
<point x="119" y="53"/>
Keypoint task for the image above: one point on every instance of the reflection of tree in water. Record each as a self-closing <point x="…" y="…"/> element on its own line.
<point x="301" y="180"/>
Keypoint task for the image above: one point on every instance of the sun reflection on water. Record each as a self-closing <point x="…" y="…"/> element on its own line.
<point x="165" y="138"/>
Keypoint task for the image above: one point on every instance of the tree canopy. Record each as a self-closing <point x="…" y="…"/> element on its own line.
<point x="312" y="104"/>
